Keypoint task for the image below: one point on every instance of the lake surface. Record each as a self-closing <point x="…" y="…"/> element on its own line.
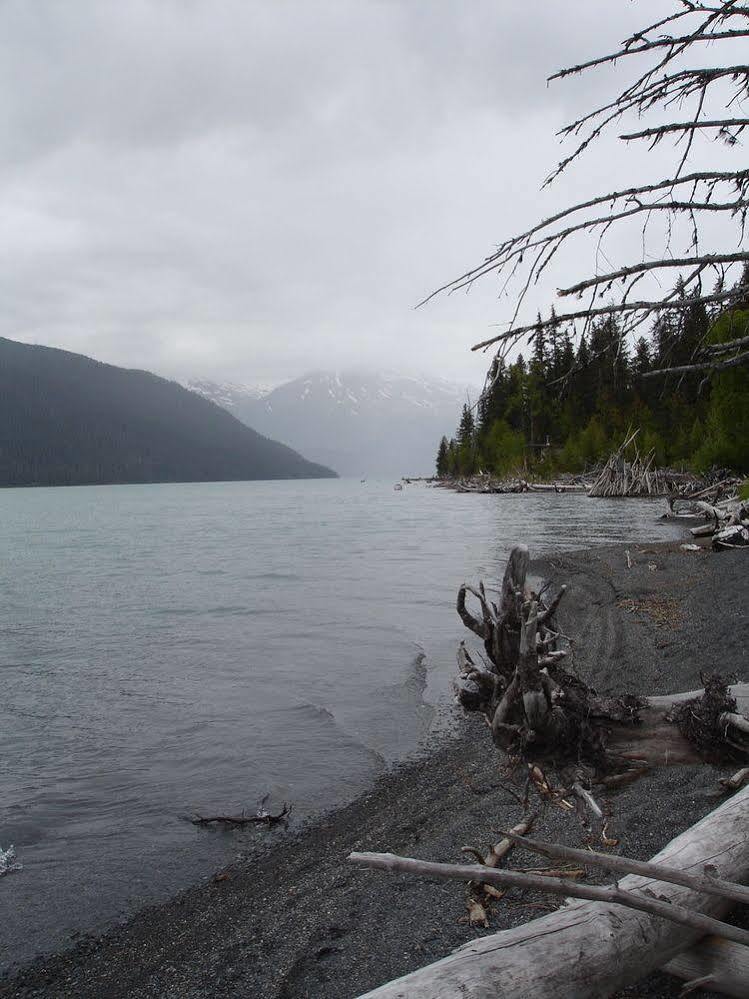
<point x="168" y="649"/>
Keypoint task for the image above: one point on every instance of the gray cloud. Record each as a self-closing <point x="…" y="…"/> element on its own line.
<point x="252" y="189"/>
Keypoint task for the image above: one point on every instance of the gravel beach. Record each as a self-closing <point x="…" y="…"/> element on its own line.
<point x="295" y="920"/>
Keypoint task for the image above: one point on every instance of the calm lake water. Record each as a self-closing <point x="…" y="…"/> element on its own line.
<point x="175" y="648"/>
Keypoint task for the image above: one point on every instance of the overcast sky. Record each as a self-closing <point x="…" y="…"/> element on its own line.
<point x="250" y="190"/>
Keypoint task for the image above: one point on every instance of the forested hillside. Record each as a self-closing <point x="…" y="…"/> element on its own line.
<point x="68" y="420"/>
<point x="570" y="402"/>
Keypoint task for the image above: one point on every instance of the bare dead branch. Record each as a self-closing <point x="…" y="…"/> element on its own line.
<point x="260" y="818"/>
<point x="713" y="366"/>
<point x="687" y="126"/>
<point x="659" y="43"/>
<point x="646" y="307"/>
<point x="704" y="260"/>
<point x="737" y="179"/>
<point x="663" y="85"/>
<point x="624" y="865"/>
<point x="727" y="345"/>
<point x="554" y="886"/>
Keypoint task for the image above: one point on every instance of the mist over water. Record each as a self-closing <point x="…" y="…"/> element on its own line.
<point x="169" y="649"/>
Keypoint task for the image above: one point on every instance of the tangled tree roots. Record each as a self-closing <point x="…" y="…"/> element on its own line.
<point x="537" y="708"/>
<point x="708" y="722"/>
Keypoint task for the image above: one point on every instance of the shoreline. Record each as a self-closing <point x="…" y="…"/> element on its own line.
<point x="294" y="920"/>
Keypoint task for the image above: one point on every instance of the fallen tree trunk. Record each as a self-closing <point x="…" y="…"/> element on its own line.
<point x="719" y="965"/>
<point x="591" y="949"/>
<point x="657" y="740"/>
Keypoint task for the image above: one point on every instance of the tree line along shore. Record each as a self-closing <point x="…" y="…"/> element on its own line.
<point x="566" y="407"/>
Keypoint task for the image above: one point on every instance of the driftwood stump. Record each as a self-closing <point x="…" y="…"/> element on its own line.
<point x="537" y="708"/>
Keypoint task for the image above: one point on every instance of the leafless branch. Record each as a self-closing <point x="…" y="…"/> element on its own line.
<point x="646" y="307"/>
<point x="554" y="886"/>
<point x="663" y="85"/>
<point x="712" y="366"/>
<point x="687" y="126"/>
<point x="706" y="260"/>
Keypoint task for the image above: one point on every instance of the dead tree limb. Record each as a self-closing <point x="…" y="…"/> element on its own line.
<point x="708" y="95"/>
<point x="610" y="895"/>
<point x="624" y="865"/>
<point x="260" y="818"/>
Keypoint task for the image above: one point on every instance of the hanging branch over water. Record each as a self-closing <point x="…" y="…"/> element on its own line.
<point x="663" y="86"/>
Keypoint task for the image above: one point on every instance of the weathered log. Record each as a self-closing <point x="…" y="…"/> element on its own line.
<point x="735" y="536"/>
<point x="722" y="964"/>
<point x="735" y="781"/>
<point x="703" y="531"/>
<point x="591" y="949"/>
<point x="656" y="741"/>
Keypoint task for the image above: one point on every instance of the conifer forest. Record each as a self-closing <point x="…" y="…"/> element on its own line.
<point x="568" y="403"/>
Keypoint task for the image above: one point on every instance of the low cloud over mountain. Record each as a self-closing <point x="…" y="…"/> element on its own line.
<point x="361" y="424"/>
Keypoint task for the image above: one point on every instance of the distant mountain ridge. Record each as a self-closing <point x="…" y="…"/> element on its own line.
<point x="66" y="419"/>
<point x="226" y="394"/>
<point x="360" y="423"/>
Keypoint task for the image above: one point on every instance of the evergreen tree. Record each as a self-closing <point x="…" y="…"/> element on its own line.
<point x="466" y="427"/>
<point x="465" y="438"/>
<point x="442" y="459"/>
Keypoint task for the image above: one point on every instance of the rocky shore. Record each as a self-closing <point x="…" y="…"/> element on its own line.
<point x="294" y="920"/>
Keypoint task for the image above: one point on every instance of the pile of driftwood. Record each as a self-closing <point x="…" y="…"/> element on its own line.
<point x="627" y="473"/>
<point x="485" y="483"/>
<point x="664" y="914"/>
<point x="725" y="515"/>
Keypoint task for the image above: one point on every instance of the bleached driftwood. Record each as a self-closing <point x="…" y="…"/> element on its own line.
<point x="591" y="949"/>
<point x="721" y="965"/>
<point x="626" y="473"/>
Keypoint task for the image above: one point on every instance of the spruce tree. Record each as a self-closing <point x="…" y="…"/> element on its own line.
<point x="442" y="459"/>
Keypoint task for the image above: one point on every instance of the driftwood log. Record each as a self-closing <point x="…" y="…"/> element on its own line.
<point x="537" y="708"/>
<point x="261" y="817"/>
<point x="591" y="949"/>
<point x="727" y="520"/>
<point x="715" y="964"/>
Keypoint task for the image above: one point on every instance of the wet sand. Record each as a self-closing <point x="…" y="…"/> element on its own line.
<point x="294" y="920"/>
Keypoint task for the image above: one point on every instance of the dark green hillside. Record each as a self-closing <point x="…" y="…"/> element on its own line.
<point x="68" y="420"/>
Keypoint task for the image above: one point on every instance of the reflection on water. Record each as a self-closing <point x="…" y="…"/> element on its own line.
<point x="191" y="647"/>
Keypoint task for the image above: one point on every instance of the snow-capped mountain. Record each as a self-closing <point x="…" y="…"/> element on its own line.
<point x="360" y="424"/>
<point x="226" y="394"/>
